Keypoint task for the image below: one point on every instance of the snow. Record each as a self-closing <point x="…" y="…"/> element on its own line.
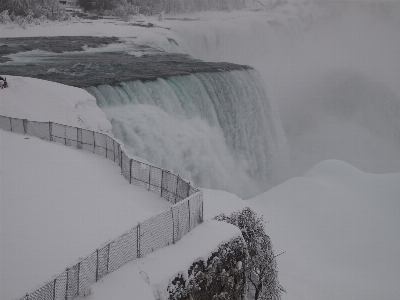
<point x="59" y="204"/>
<point x="339" y="227"/>
<point x="41" y="100"/>
<point x="148" y="277"/>
<point x="217" y="202"/>
<point x="68" y="202"/>
<point x="158" y="35"/>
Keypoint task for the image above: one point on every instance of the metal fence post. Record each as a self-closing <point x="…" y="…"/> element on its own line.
<point x="94" y="142"/>
<point x="97" y="265"/>
<point x="189" y="213"/>
<point x="173" y="226"/>
<point x="202" y="207"/>
<point x="138" y="241"/>
<point x="176" y="188"/>
<point x="54" y="289"/>
<point x="10" y="125"/>
<point x="108" y="255"/>
<point x="79" y="271"/>
<point x="114" y="149"/>
<point x="78" y="143"/>
<point x="65" y="135"/>
<point x="51" y="130"/>
<point x="149" y="176"/>
<point x="106" y="146"/>
<point x="130" y="171"/>
<point x="25" y="124"/>
<point x="120" y="156"/>
<point x="66" y="286"/>
<point x="162" y="180"/>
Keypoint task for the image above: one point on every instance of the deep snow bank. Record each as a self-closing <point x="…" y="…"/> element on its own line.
<point x="58" y="204"/>
<point x="148" y="278"/>
<point x="339" y="227"/>
<point x="40" y="100"/>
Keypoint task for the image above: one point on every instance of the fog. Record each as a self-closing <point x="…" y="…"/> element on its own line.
<point x="344" y="100"/>
<point x="337" y="89"/>
<point x="333" y="72"/>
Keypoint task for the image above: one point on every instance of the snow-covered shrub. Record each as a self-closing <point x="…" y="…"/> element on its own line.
<point x="126" y="10"/>
<point x="24" y="12"/>
<point x="261" y="263"/>
<point x="5" y="17"/>
<point x="149" y="7"/>
<point x="221" y="276"/>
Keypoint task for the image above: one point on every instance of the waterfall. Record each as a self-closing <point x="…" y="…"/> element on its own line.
<point x="217" y="129"/>
<point x="335" y="101"/>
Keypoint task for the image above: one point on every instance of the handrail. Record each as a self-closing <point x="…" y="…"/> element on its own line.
<point x="163" y="229"/>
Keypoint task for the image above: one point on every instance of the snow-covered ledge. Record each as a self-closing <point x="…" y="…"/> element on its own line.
<point x="150" y="277"/>
<point x="41" y="100"/>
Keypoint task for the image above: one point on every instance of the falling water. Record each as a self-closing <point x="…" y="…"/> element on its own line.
<point x="217" y="129"/>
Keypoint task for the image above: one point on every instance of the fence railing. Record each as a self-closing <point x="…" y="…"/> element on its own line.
<point x="161" y="230"/>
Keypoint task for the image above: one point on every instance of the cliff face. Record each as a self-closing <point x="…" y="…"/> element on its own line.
<point x="221" y="276"/>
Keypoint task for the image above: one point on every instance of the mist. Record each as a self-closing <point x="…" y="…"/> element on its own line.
<point x="337" y="88"/>
<point x="216" y="128"/>
<point x="333" y="71"/>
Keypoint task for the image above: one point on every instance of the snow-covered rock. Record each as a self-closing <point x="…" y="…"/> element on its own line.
<point x="41" y="100"/>
<point x="149" y="277"/>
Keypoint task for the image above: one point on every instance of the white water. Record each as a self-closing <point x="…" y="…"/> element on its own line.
<point x="219" y="130"/>
<point x="333" y="71"/>
<point x="334" y="79"/>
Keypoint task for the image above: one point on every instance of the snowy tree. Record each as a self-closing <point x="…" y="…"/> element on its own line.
<point x="222" y="276"/>
<point x="98" y="5"/>
<point x="261" y="265"/>
<point x="168" y="6"/>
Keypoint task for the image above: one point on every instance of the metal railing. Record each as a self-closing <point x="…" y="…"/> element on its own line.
<point x="163" y="229"/>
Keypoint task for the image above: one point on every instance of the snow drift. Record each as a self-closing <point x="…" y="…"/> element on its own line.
<point x="339" y="227"/>
<point x="40" y="100"/>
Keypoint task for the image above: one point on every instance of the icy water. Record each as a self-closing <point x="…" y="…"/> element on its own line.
<point x="211" y="122"/>
<point x="57" y="44"/>
<point x="93" y="61"/>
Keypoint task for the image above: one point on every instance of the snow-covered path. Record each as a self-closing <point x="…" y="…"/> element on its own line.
<point x="58" y="204"/>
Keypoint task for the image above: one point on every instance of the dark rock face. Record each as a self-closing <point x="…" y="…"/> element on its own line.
<point x="62" y="60"/>
<point x="221" y="277"/>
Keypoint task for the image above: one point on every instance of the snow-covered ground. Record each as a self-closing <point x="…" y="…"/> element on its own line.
<point x="340" y="230"/>
<point x="339" y="226"/>
<point x="43" y="101"/>
<point x="147" y="278"/>
<point x="59" y="204"/>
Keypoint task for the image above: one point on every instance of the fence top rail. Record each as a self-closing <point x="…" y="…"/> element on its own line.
<point x="124" y="151"/>
<point x="107" y="243"/>
<point x="121" y="145"/>
<point x="97" y="132"/>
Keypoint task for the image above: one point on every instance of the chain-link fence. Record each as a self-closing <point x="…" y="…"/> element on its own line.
<point x="159" y="231"/>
